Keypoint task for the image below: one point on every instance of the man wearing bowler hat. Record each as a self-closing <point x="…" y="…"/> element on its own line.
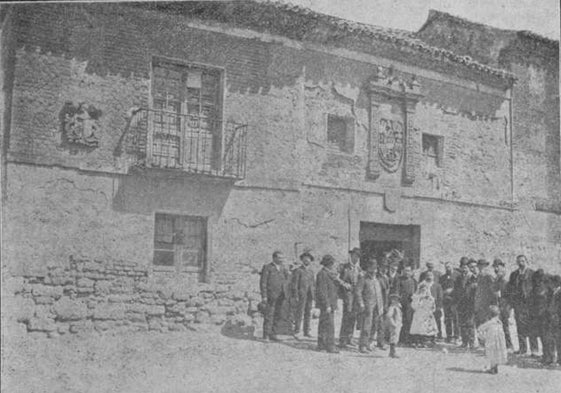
<point x="349" y="273"/>
<point x="303" y="287"/>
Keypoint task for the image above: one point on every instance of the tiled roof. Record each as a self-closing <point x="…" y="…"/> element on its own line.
<point x="435" y="14"/>
<point x="396" y="36"/>
<point x="276" y="16"/>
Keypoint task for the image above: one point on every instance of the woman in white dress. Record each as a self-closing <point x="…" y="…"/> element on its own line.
<point x="423" y="304"/>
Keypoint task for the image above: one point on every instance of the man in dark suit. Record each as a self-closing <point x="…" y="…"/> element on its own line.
<point x="273" y="284"/>
<point x="378" y="330"/>
<point x="520" y="284"/>
<point x="349" y="273"/>
<point x="327" y="284"/>
<point x="407" y="287"/>
<point x="447" y="281"/>
<point x="393" y="278"/>
<point x="303" y="288"/>
<point x="502" y="291"/>
<point x="463" y="289"/>
<point x="485" y="293"/>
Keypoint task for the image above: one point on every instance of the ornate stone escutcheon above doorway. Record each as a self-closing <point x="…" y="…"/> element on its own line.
<point x="393" y="140"/>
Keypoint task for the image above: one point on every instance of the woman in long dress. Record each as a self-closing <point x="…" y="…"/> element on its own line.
<point x="423" y="324"/>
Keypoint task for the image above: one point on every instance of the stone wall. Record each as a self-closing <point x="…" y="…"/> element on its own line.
<point x="92" y="296"/>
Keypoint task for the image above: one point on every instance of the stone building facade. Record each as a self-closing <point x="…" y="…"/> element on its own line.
<point x="154" y="155"/>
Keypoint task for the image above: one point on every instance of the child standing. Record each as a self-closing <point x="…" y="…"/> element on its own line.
<point x="394" y="322"/>
<point x="495" y="343"/>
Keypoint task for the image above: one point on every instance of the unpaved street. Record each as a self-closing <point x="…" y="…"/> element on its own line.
<point x="211" y="360"/>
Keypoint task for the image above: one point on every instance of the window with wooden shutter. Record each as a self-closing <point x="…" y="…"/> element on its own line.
<point x="180" y="242"/>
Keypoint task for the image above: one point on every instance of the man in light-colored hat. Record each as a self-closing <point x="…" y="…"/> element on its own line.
<point x="349" y="273"/>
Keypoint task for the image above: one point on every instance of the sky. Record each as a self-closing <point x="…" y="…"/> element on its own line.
<point x="539" y="16"/>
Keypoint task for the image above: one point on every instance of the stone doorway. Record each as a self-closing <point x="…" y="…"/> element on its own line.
<point x="376" y="239"/>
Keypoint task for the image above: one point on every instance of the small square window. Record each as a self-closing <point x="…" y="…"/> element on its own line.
<point x="340" y="133"/>
<point x="432" y="148"/>
<point x="180" y="242"/>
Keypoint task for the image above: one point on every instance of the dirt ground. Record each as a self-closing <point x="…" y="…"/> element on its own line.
<point x="211" y="359"/>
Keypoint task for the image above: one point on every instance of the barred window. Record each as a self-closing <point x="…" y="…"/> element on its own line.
<point x="186" y="125"/>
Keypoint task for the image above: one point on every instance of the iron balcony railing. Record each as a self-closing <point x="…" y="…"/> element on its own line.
<point x="193" y="144"/>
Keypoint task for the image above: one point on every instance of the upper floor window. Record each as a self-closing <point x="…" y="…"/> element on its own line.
<point x="180" y="242"/>
<point x="187" y="111"/>
<point x="433" y="149"/>
<point x="340" y="133"/>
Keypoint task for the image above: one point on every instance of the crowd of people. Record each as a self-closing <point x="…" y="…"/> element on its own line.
<point x="389" y="305"/>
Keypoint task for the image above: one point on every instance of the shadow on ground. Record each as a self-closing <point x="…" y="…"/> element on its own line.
<point x="465" y="370"/>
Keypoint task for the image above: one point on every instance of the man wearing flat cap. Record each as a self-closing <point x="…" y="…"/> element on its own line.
<point x="303" y="288"/>
<point x="327" y="284"/>
<point x="349" y="273"/>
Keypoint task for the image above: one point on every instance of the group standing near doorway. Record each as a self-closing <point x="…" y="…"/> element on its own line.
<point x="388" y="305"/>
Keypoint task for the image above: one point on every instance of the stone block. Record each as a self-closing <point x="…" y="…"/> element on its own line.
<point x="40" y="290"/>
<point x="136" y="316"/>
<point x="85" y="290"/>
<point x="120" y="298"/>
<point x="63" y="328"/>
<point x="44" y="300"/>
<point x="155" y="310"/>
<point x="182" y="295"/>
<point x="13" y="285"/>
<point x="155" y="324"/>
<point x="85" y="283"/>
<point x="102" y="287"/>
<point x="70" y="310"/>
<point x="41" y="325"/>
<point x="202" y="317"/>
<point x="195" y="302"/>
<point x="217" y="319"/>
<point x="178" y="308"/>
<point x="84" y="326"/>
<point x="106" y="311"/>
<point x="21" y="309"/>
<point x="177" y="327"/>
<point x="135" y="308"/>
<point x="93" y="267"/>
<point x="102" y="325"/>
<point x="205" y="287"/>
<point x="62" y="278"/>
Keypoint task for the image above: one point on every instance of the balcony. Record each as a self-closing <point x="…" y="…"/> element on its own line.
<point x="190" y="144"/>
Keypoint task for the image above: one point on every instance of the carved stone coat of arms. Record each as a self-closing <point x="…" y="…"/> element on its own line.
<point x="391" y="146"/>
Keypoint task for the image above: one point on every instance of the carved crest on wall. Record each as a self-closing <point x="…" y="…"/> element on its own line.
<point x="80" y="124"/>
<point x="391" y="146"/>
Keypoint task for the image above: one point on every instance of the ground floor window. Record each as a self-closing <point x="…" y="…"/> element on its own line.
<point x="180" y="242"/>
